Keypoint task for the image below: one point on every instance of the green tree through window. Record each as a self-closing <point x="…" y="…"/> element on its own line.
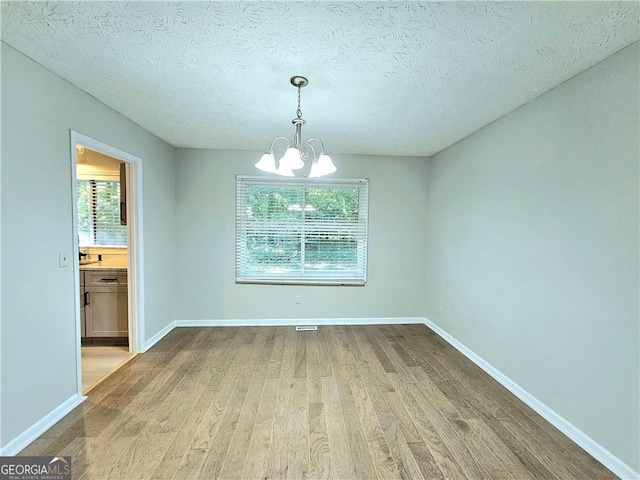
<point x="99" y="214"/>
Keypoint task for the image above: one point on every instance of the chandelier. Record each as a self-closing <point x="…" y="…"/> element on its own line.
<point x="296" y="152"/>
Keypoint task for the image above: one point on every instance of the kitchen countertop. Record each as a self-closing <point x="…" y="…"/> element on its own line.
<point x="102" y="266"/>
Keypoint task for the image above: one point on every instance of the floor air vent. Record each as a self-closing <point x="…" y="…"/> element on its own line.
<point x="306" y="328"/>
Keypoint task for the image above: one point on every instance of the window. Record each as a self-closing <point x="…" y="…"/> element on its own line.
<point x="296" y="231"/>
<point x="99" y="214"/>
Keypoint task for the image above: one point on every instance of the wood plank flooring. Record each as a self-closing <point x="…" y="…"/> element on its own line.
<point x="345" y="402"/>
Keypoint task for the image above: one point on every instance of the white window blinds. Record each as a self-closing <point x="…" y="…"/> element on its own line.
<point x="99" y="214"/>
<point x="301" y="231"/>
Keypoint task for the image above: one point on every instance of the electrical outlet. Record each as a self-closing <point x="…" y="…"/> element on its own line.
<point x="441" y="308"/>
<point x="63" y="259"/>
<point x="298" y="299"/>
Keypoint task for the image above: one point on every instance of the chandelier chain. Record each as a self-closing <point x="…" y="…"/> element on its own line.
<point x="299" y="111"/>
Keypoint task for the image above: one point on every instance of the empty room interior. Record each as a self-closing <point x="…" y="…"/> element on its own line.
<point x="345" y="240"/>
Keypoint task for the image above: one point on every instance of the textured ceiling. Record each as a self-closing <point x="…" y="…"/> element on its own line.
<point x="406" y="78"/>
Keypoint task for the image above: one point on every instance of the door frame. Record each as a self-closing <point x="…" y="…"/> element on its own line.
<point x="135" y="257"/>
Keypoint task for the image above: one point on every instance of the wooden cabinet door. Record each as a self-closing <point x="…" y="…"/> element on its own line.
<point x="107" y="315"/>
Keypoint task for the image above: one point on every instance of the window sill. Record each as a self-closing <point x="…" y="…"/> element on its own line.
<point x="318" y="283"/>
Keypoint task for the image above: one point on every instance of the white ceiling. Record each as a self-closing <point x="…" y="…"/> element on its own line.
<point x="391" y="78"/>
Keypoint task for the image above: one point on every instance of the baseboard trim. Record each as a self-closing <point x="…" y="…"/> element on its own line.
<point x="286" y="322"/>
<point x="158" y="336"/>
<point x="45" y="423"/>
<point x="600" y="453"/>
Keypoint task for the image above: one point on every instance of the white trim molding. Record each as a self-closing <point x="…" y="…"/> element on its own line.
<point x="158" y="336"/>
<point x="592" y="447"/>
<point x="285" y="322"/>
<point x="45" y="423"/>
<point x="135" y="267"/>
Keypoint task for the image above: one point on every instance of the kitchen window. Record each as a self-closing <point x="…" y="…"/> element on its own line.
<point x="99" y="214"/>
<point x="301" y="231"/>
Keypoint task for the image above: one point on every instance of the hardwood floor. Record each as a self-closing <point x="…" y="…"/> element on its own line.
<point x="355" y="402"/>
<point x="99" y="361"/>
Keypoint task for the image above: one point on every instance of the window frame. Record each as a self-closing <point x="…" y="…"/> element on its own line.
<point x="359" y="277"/>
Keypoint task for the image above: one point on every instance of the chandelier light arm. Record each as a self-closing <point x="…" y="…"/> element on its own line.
<point x="317" y="140"/>
<point x="276" y="139"/>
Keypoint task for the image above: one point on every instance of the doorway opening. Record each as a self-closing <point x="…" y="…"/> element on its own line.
<point x="107" y="223"/>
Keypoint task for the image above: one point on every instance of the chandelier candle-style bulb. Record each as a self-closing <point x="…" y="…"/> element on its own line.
<point x="297" y="152"/>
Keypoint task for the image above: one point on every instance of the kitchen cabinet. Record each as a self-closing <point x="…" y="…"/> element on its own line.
<point x="106" y="306"/>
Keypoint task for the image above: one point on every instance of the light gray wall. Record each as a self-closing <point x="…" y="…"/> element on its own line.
<point x="38" y="316"/>
<point x="533" y="248"/>
<point x="205" y="233"/>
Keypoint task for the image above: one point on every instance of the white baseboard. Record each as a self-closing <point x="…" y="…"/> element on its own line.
<point x="596" y="450"/>
<point x="284" y="322"/>
<point x="41" y="426"/>
<point x="158" y="336"/>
